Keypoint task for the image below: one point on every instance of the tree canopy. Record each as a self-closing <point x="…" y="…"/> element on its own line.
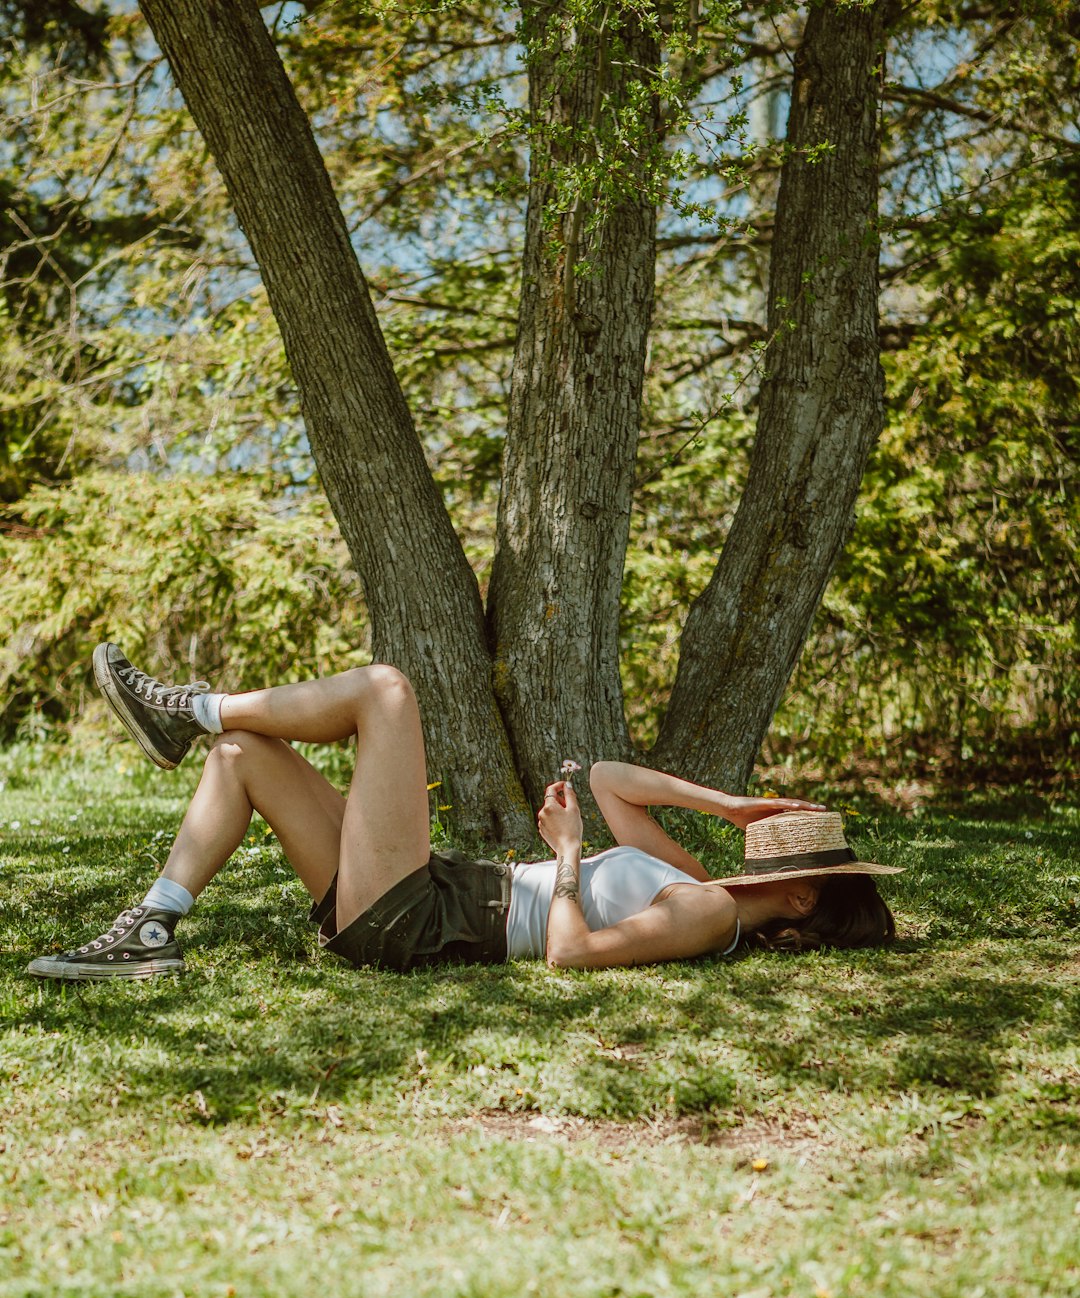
<point x="139" y="351"/>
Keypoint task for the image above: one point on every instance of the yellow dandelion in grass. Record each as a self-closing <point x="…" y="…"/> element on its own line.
<point x="770" y="793"/>
<point x="436" y="785"/>
<point x="760" y="1164"/>
<point x="446" y="806"/>
<point x="850" y="811"/>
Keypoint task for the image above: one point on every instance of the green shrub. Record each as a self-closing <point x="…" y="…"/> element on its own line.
<point x="193" y="576"/>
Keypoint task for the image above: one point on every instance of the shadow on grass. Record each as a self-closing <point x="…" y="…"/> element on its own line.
<point x="245" y="1037"/>
<point x="264" y="1024"/>
<point x="939" y="799"/>
<point x="906" y="1027"/>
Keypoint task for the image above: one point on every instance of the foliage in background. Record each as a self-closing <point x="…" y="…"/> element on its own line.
<point x="948" y="639"/>
<point x="952" y="627"/>
<point x="197" y="578"/>
<point x="134" y="334"/>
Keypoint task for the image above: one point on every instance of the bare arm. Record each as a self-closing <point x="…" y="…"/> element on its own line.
<point x="688" y="922"/>
<point x="624" y="793"/>
<point x="559" y="821"/>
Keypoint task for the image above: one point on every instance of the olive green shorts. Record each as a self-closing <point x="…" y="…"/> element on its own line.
<point x="451" y="910"/>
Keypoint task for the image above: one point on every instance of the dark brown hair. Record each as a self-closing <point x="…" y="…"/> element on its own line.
<point x="850" y="912"/>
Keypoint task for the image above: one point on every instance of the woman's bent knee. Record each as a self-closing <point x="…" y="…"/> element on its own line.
<point x="236" y="746"/>
<point x="382" y="681"/>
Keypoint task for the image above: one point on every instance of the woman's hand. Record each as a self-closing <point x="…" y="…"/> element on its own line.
<point x="744" y="811"/>
<point x="559" y="819"/>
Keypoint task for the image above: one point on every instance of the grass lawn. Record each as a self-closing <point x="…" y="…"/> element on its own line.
<point x="274" y="1123"/>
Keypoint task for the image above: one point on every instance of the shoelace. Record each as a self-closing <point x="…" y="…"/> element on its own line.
<point x="180" y="695"/>
<point x="120" y="926"/>
<point x="170" y="697"/>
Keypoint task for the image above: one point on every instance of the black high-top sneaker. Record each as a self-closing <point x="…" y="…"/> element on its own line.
<point x="139" y="945"/>
<point x="159" y="717"/>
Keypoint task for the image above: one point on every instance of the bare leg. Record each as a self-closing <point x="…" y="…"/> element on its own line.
<point x="311" y="712"/>
<point x="383" y="833"/>
<point x="245" y="772"/>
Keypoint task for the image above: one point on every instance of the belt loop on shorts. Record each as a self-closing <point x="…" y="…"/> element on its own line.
<point x="493" y="945"/>
<point x="502" y="902"/>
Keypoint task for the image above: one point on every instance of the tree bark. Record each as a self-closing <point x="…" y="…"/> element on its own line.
<point x="821" y="411"/>
<point x="422" y="596"/>
<point x="575" y="403"/>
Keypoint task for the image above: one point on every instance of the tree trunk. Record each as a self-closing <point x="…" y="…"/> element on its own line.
<point x="422" y="596"/>
<point x="821" y="412"/>
<point x="575" y="403"/>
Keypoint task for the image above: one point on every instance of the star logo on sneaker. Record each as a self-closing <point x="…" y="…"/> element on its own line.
<point x="152" y="934"/>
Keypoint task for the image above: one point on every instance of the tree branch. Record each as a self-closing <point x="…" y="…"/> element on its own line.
<point x="456" y="308"/>
<point x="933" y="99"/>
<point x="397" y="189"/>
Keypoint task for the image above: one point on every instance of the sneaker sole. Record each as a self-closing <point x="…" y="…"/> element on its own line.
<point x="67" y="971"/>
<point x="114" y="699"/>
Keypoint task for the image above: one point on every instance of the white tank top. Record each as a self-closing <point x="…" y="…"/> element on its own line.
<point x="615" y="884"/>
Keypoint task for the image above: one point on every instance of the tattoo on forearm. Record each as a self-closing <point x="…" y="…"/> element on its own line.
<point x="566" y="880"/>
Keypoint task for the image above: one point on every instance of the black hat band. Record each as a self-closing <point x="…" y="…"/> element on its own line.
<point x="801" y="861"/>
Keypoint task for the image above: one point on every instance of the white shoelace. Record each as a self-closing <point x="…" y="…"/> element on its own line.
<point x="170" y="697"/>
<point x="120" y="925"/>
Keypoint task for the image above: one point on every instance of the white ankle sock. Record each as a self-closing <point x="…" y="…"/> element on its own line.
<point x="207" y="710"/>
<point x="165" y="894"/>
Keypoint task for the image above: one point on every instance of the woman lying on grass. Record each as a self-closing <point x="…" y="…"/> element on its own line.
<point x="381" y="897"/>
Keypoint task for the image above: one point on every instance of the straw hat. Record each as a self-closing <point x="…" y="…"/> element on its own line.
<point x="797" y="844"/>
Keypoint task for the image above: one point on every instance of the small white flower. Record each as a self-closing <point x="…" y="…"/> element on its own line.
<point x="15" y="824"/>
<point x="569" y="769"/>
<point x="1028" y="833"/>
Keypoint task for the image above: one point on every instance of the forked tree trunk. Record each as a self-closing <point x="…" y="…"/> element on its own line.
<point x="575" y="404"/>
<point x="422" y="597"/>
<point x="820" y="414"/>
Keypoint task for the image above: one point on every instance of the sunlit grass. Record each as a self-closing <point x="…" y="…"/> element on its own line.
<point x="887" y="1122"/>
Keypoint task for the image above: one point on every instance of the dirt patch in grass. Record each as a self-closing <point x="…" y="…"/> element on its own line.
<point x="800" y="1138"/>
